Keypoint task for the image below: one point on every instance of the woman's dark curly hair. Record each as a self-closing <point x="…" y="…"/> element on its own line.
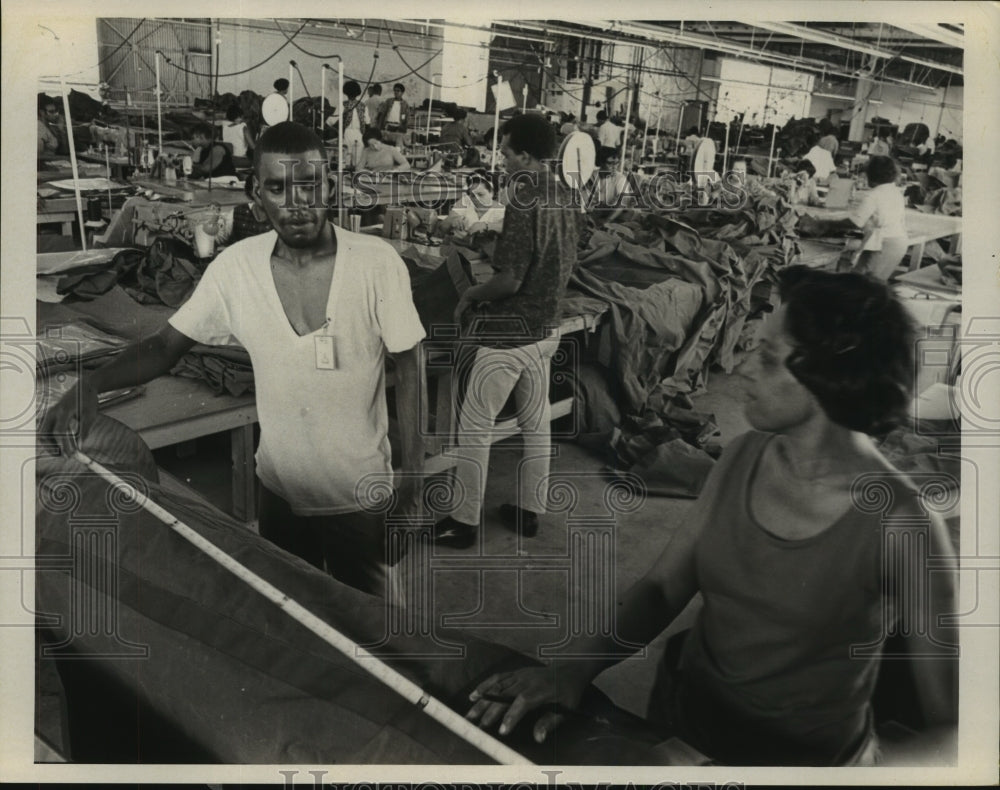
<point x="853" y="346"/>
<point x="881" y="170"/>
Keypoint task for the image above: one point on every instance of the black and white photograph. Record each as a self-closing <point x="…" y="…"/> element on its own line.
<point x="552" y="394"/>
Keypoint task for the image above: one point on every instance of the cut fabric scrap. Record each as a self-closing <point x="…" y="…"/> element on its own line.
<point x="226" y="369"/>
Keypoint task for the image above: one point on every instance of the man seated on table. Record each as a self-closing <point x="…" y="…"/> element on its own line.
<point x="49" y="127"/>
<point x="379" y="157"/>
<point x="317" y="308"/>
<point x="212" y="157"/>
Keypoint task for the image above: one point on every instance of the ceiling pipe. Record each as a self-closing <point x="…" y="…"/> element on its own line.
<point x="823" y="37"/>
<point x="933" y="31"/>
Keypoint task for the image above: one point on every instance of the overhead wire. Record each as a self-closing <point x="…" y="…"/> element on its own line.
<point x="242" y="71"/>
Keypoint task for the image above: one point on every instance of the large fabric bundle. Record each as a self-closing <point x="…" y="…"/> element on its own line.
<point x="170" y="658"/>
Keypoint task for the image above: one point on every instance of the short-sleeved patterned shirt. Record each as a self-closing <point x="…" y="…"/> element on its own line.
<point x="538" y="244"/>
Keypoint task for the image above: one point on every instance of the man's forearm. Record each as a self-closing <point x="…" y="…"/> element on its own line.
<point x="137" y="364"/>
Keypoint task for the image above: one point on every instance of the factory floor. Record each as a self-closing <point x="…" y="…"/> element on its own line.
<point x="532" y="595"/>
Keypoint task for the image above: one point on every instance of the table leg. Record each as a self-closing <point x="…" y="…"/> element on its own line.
<point x="244" y="491"/>
<point x="916" y="255"/>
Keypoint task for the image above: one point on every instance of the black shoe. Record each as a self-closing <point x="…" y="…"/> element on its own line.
<point x="520" y="520"/>
<point x="449" y="532"/>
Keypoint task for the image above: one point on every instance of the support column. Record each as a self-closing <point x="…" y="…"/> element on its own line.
<point x="859" y="110"/>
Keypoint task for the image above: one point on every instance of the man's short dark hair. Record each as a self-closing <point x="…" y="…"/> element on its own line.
<point x="399" y="87"/>
<point x="204" y="130"/>
<point x="853" y="346"/>
<point x="371" y="133"/>
<point x="45" y="101"/>
<point x="352" y="90"/>
<point x="530" y="134"/>
<point x="281" y="84"/>
<point x="287" y="137"/>
<point x="601" y="115"/>
<point x="375" y="90"/>
<point x="882" y="170"/>
<point x="234" y="112"/>
<point x="459" y="114"/>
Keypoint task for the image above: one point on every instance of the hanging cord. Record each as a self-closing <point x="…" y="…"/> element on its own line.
<point x="298" y="46"/>
<point x="301" y="78"/>
<point x="235" y="73"/>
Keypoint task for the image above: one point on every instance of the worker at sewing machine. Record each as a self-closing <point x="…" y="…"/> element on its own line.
<point x="456" y="131"/>
<point x="802" y="184"/>
<point x="379" y="157"/>
<point x="478" y="209"/>
<point x="212" y="157"/>
<point x="610" y="198"/>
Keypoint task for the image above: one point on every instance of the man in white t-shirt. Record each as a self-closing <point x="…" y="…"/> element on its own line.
<point x="316" y="307"/>
<point x="609" y="135"/>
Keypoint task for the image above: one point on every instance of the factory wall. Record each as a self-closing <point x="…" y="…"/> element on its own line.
<point x="245" y="43"/>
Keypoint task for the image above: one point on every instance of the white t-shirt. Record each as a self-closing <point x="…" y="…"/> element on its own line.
<point x="610" y="187"/>
<point x="394" y="108"/>
<point x="232" y="133"/>
<point x="822" y="161"/>
<point x="609" y="135"/>
<point x="888" y="206"/>
<point x="322" y="432"/>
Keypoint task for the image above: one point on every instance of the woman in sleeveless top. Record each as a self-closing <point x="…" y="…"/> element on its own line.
<point x="802" y="545"/>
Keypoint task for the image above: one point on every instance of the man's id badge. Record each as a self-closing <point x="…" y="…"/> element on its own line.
<point x="326" y="352"/>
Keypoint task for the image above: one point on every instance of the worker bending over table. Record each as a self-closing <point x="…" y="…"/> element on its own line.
<point x="791" y="546"/>
<point x="512" y="321"/>
<point x="881" y="215"/>
<point x="316" y="307"/>
<point x="378" y="156"/>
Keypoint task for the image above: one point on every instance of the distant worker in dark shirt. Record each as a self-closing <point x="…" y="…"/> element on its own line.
<point x="513" y="321"/>
<point x="212" y="158"/>
<point x="456" y="131"/>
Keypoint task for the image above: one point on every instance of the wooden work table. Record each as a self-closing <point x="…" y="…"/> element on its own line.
<point x="173" y="409"/>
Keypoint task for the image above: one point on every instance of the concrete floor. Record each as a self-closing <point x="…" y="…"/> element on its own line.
<point x="523" y="593"/>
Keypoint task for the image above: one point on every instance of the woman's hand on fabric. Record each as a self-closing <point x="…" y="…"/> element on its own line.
<point x="509" y="696"/>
